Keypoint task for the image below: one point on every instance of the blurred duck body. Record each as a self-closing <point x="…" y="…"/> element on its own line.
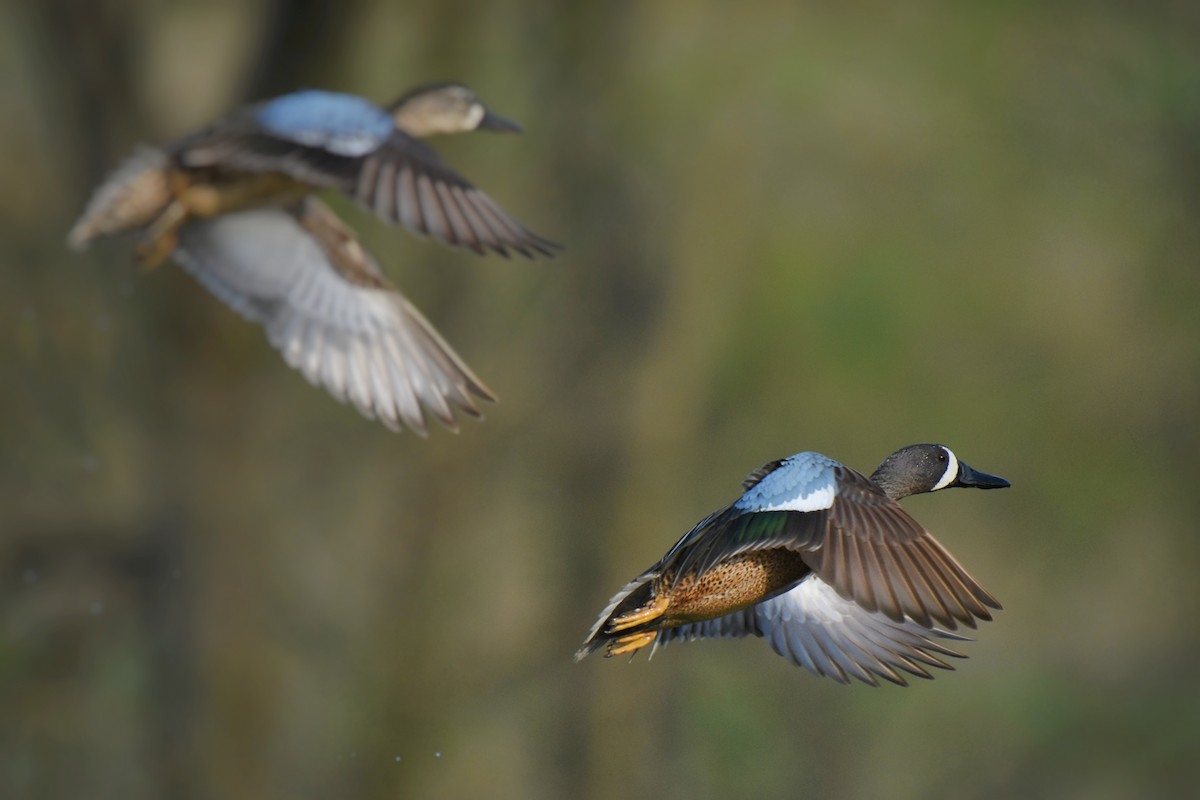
<point x="232" y="205"/>
<point x="280" y="149"/>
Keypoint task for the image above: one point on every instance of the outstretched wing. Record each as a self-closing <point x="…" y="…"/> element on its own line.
<point x="407" y="183"/>
<point x="325" y="305"/>
<point x="814" y="627"/>
<point x="849" y="532"/>
<point x="337" y="141"/>
<point x="875" y="553"/>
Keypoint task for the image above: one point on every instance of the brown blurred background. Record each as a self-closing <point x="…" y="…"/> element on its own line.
<point x="790" y="228"/>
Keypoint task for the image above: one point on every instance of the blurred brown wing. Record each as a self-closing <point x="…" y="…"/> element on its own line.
<point x="402" y="181"/>
<point x="405" y="181"/>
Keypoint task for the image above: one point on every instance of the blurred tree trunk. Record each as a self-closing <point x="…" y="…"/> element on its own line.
<point x="618" y="289"/>
<point x="303" y="43"/>
<point x="88" y="78"/>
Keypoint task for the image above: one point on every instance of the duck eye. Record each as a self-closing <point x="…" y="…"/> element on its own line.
<point x="941" y="458"/>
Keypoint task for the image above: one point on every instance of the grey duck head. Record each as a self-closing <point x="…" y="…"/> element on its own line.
<point x="921" y="468"/>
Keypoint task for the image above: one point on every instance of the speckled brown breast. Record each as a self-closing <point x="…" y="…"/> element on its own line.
<point x="733" y="584"/>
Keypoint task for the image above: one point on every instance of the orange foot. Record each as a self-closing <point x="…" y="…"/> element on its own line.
<point x="630" y="643"/>
<point x="651" y="611"/>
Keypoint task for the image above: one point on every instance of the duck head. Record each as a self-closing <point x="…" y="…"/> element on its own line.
<point x="444" y="108"/>
<point x="921" y="468"/>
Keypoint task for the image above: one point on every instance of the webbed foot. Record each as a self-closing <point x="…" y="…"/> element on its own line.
<point x="630" y="643"/>
<point x="650" y="611"/>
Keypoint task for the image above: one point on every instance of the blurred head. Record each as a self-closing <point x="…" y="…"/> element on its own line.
<point x="444" y="108"/>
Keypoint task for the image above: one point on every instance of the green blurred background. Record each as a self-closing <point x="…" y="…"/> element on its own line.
<point x="789" y="228"/>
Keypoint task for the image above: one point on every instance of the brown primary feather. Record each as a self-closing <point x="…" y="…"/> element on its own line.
<point x="403" y="181"/>
<point x="874" y="553"/>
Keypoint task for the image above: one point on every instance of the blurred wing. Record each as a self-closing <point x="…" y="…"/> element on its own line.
<point x="857" y="540"/>
<point x="337" y="123"/>
<point x="406" y="182"/>
<point x="813" y="627"/>
<point x="320" y="158"/>
<point x="325" y="305"/>
<point x="398" y="178"/>
<point x="314" y="136"/>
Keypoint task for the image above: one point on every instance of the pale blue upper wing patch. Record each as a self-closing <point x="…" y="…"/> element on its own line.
<point x="803" y="482"/>
<point x="343" y="124"/>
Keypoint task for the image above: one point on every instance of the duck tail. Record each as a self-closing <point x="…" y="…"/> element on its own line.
<point x="633" y="595"/>
<point x="131" y="197"/>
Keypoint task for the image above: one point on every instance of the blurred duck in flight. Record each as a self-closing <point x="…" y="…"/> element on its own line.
<point x="232" y="203"/>
<point x="284" y="148"/>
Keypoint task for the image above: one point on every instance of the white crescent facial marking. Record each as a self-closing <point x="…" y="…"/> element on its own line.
<point x="475" y="115"/>
<point x="816" y="500"/>
<point x="951" y="471"/>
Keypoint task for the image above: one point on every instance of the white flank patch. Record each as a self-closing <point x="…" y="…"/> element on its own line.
<point x="816" y="500"/>
<point x="951" y="471"/>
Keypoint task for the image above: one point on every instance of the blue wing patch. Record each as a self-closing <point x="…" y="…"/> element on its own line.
<point x="803" y="482"/>
<point x="342" y="124"/>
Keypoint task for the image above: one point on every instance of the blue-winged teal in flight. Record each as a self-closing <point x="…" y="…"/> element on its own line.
<point x="283" y="148"/>
<point x="822" y="562"/>
<point x="232" y="204"/>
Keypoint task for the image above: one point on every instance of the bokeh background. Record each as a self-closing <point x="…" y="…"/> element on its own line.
<point x="792" y="227"/>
